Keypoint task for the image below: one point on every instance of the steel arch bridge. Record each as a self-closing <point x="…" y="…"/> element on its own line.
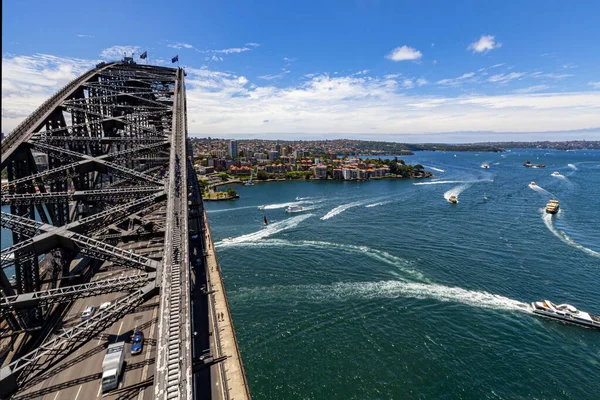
<point x="103" y="201"/>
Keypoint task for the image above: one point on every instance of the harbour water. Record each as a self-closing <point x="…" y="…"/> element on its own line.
<point x="383" y="289"/>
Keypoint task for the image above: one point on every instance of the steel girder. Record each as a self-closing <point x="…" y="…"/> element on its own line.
<point x="108" y="150"/>
<point x="18" y="372"/>
<point x="70" y="293"/>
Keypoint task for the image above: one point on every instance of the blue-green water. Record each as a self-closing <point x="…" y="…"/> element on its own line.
<point x="383" y="289"/>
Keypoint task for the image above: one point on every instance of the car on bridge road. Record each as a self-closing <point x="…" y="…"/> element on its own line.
<point x="88" y="312"/>
<point x="137" y="344"/>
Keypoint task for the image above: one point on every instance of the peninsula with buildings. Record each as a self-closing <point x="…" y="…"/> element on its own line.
<point x="220" y="162"/>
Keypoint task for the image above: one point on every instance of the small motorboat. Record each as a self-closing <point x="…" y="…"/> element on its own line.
<point x="532" y="184"/>
<point x="485" y="166"/>
<point x="297" y="198"/>
<point x="566" y="313"/>
<point x="261" y="207"/>
<point x="555" y="173"/>
<point x="294" y="209"/>
<point x="452" y="199"/>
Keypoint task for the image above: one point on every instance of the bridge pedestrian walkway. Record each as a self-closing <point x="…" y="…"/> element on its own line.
<point x="232" y="369"/>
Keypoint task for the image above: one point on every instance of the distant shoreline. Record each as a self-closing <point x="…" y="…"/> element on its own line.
<point x="255" y="181"/>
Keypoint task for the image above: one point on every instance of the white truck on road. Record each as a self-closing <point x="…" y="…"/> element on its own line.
<point x="112" y="366"/>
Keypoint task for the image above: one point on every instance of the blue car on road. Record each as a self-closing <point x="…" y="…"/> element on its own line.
<point x="137" y="344"/>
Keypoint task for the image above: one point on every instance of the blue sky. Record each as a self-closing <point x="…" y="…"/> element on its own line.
<point x="366" y="69"/>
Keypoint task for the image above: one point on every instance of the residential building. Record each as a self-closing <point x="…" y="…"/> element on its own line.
<point x="337" y="174"/>
<point x="321" y="172"/>
<point x="233" y="149"/>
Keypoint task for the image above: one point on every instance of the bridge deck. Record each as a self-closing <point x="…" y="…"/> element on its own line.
<point x="225" y="341"/>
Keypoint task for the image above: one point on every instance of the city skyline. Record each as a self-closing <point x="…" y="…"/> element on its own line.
<point x="366" y="70"/>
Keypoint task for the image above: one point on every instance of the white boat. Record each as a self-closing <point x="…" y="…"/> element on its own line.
<point x="297" y="198"/>
<point x="485" y="166"/>
<point x="294" y="209"/>
<point x="249" y="183"/>
<point x="261" y="207"/>
<point x="566" y="313"/>
<point x="555" y="173"/>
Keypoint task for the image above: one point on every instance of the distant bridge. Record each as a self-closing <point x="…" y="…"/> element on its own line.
<point x="116" y="217"/>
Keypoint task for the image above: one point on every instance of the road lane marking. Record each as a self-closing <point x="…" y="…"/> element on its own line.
<point x="78" y="392"/>
<point x="99" y="389"/>
<point x="56" y="395"/>
<point x="148" y="352"/>
<point x="118" y="333"/>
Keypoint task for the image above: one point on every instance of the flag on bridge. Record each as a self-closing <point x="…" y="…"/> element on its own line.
<point x="175" y="59"/>
<point x="144" y="55"/>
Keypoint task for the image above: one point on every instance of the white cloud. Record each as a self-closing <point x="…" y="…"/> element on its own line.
<point x="116" y="53"/>
<point x="557" y="76"/>
<point x="28" y="81"/>
<point x="505" y="78"/>
<point x="408" y="84"/>
<point x="484" y="44"/>
<point x="493" y="66"/>
<point x="252" y="44"/>
<point x="422" y="82"/>
<point x="233" y="50"/>
<point x="220" y="103"/>
<point x="404" y="53"/>
<point x="289" y="60"/>
<point x="274" y="76"/>
<point x="456" y="81"/>
<point x="432" y="44"/>
<point x="533" y="89"/>
<point x="595" y="85"/>
<point x="84" y="36"/>
<point x="434" y="62"/>
<point x="178" y="45"/>
<point x="356" y="104"/>
<point x="363" y="72"/>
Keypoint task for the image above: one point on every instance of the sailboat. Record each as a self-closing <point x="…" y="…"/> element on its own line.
<point x="484" y="196"/>
<point x="266" y="222"/>
<point x="249" y="183"/>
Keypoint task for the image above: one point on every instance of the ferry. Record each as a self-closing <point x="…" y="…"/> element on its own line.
<point x="552" y="207"/>
<point x="453" y="199"/>
<point x="566" y="313"/>
<point x="529" y="164"/>
<point x="294" y="209"/>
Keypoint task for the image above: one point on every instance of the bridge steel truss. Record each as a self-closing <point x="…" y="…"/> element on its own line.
<point x="115" y="142"/>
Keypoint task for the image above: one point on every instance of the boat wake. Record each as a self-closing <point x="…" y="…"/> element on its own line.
<point x="549" y="222"/>
<point x="228" y="209"/>
<point x="341" y="209"/>
<point x="539" y="189"/>
<point x="573" y="167"/>
<point x="447" y="182"/>
<point x="434" y="168"/>
<point x="455" y="191"/>
<point x="377" y="255"/>
<point x="387" y="289"/>
<point x="281" y="205"/>
<point x="381" y="203"/>
<point x="267" y="231"/>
